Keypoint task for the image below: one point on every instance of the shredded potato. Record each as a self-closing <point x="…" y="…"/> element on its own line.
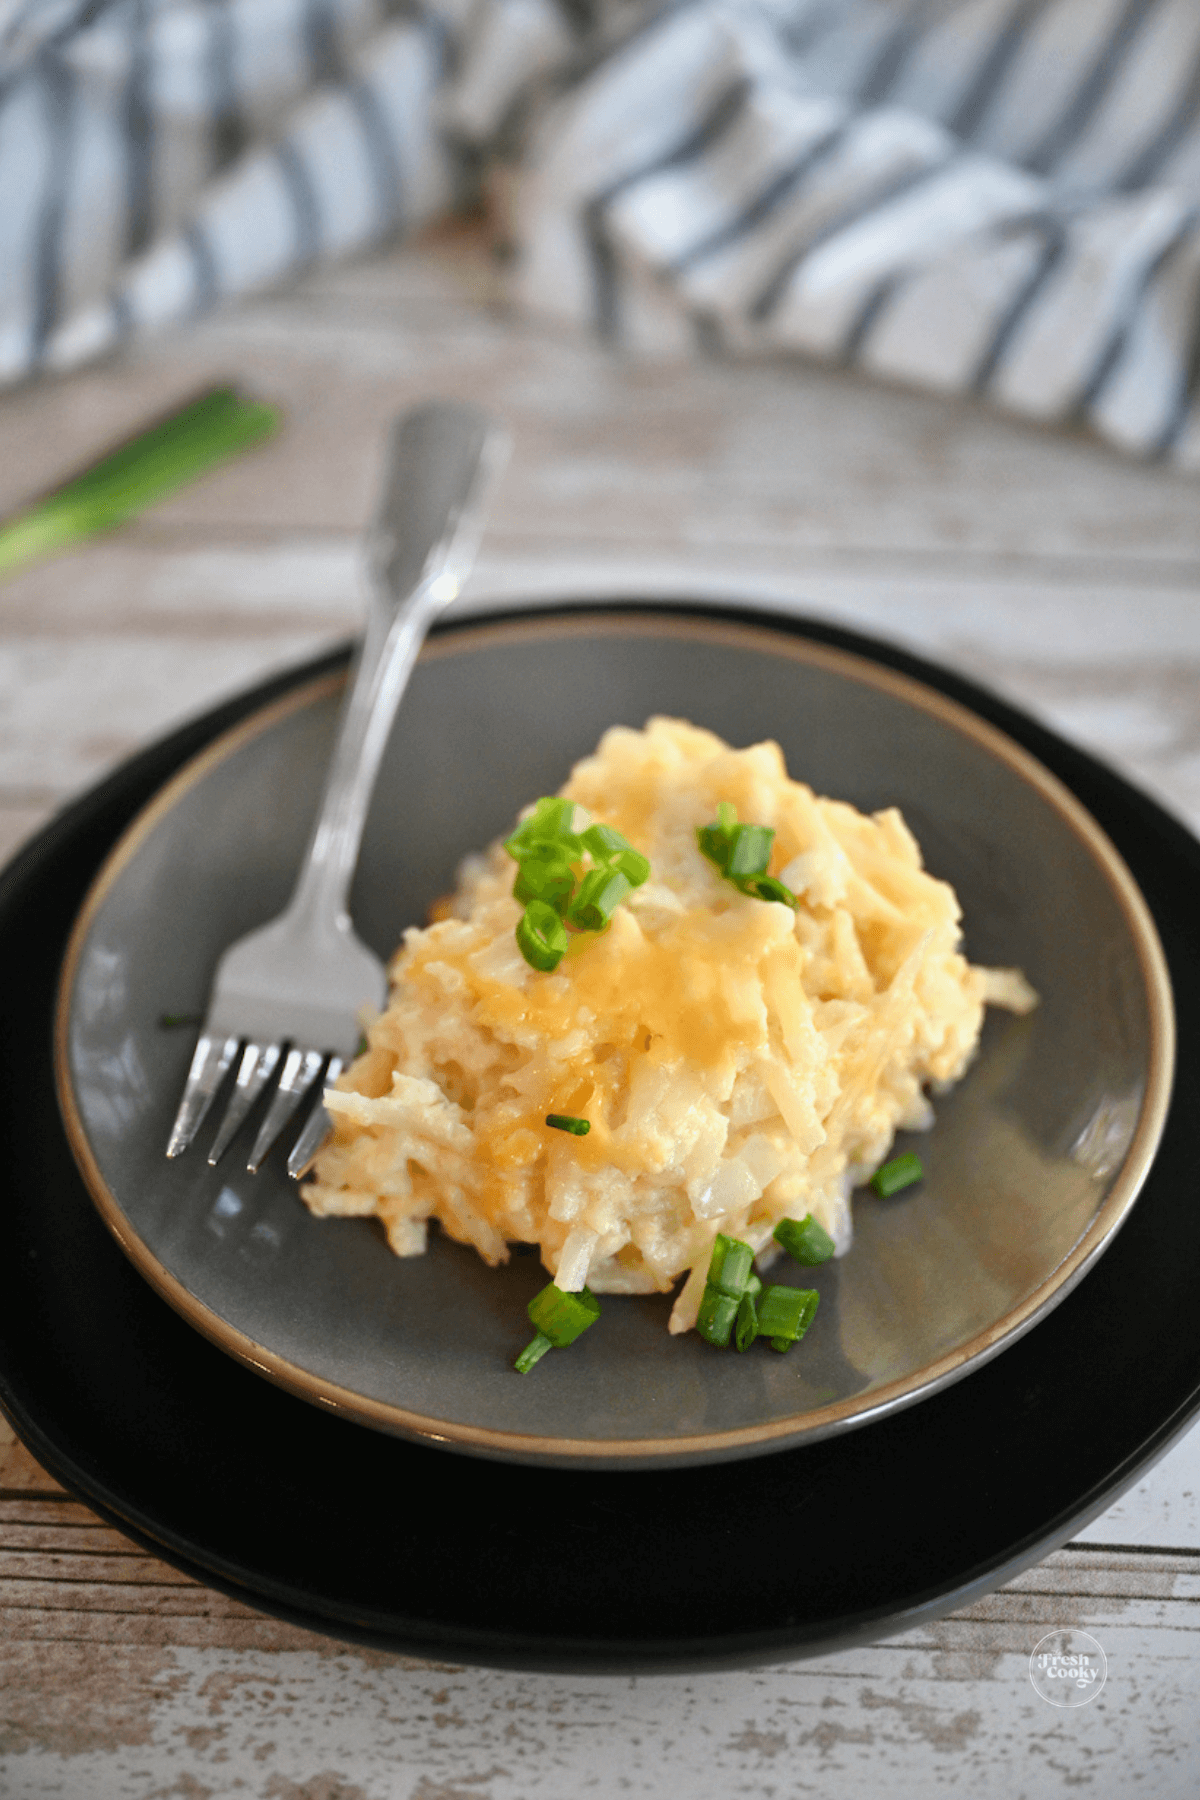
<point x="738" y="1062"/>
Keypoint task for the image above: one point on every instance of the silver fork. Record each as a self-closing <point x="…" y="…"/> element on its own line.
<point x="291" y="993"/>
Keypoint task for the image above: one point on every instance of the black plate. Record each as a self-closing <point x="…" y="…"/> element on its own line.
<point x="341" y="1529"/>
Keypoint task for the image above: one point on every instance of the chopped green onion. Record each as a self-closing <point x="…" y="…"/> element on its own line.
<point x="560" y="1316"/>
<point x="533" y="1352"/>
<point x="730" y="1281"/>
<point x="568" y="1122"/>
<point x="602" y="842"/>
<point x="901" y="1172"/>
<point x="541" y="849"/>
<point x="714" y="845"/>
<point x="610" y="850"/>
<point x="741" y="853"/>
<point x="716" y="840"/>
<point x="550" y="879"/>
<point x="137" y="474"/>
<point x="545" y="847"/>
<point x="745" y="1329"/>
<point x="600" y="893"/>
<point x="548" y="828"/>
<point x="768" y="887"/>
<point x="714" y="1321"/>
<point x="557" y="815"/>
<point x="804" y="1239"/>
<point x="750" y="850"/>
<point x="730" y="1269"/>
<point x="785" y="1314"/>
<point x="169" y="1021"/>
<point x="632" y="865"/>
<point x="542" y="936"/>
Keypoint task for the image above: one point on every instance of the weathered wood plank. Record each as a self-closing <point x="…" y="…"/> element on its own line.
<point x="143" y="1722"/>
<point x="145" y="1590"/>
<point x="19" y="1472"/>
<point x="86" y="1539"/>
<point x="82" y="705"/>
<point x="44" y="1570"/>
<point x="204" y="1627"/>
<point x="227" y="583"/>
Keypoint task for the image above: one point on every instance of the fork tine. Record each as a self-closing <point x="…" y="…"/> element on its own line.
<point x="317" y="1128"/>
<point x="299" y="1072"/>
<point x="254" y="1071"/>
<point x="210" y="1061"/>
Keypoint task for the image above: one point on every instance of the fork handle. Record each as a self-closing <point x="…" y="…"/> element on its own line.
<point x="443" y="460"/>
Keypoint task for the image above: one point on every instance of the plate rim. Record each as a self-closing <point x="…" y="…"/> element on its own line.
<point x="651" y="618"/>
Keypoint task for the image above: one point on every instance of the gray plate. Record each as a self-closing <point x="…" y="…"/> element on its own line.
<point x="1034" y="1162"/>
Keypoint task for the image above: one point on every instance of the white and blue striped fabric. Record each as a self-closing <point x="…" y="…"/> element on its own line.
<point x="993" y="197"/>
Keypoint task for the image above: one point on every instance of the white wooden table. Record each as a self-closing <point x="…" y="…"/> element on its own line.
<point x="1036" y="562"/>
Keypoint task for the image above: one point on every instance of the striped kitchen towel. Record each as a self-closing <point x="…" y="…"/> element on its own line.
<point x="997" y="197"/>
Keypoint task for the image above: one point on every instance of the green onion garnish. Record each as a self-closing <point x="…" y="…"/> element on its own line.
<point x="769" y="887"/>
<point x="548" y="827"/>
<point x="716" y="1316"/>
<point x="901" y="1172"/>
<point x="600" y="893"/>
<point x="533" y="1352"/>
<point x="731" y="1266"/>
<point x="545" y="848"/>
<point x="559" y="1319"/>
<point x="785" y="1314"/>
<point x="749" y="850"/>
<point x="542" y="936"/>
<point x="608" y="849"/>
<point x="169" y="1021"/>
<point x="804" y="1239"/>
<point x="561" y="1316"/>
<point x="603" y="842"/>
<point x="730" y="1276"/>
<point x="736" y="1304"/>
<point x="568" y="1122"/>
<point x="745" y="1328"/>
<point x="550" y="879"/>
<point x="740" y="853"/>
<point x="145" y="469"/>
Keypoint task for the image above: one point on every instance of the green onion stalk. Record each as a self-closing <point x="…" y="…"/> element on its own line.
<point x="559" y="1318"/>
<point x="137" y="474"/>
<point x="740" y="854"/>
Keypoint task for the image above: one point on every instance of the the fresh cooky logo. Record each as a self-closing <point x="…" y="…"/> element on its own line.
<point x="1068" y="1668"/>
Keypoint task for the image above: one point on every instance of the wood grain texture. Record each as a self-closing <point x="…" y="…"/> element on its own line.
<point x="197" y="1706"/>
<point x="119" y="1673"/>
<point x="1034" y="561"/>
